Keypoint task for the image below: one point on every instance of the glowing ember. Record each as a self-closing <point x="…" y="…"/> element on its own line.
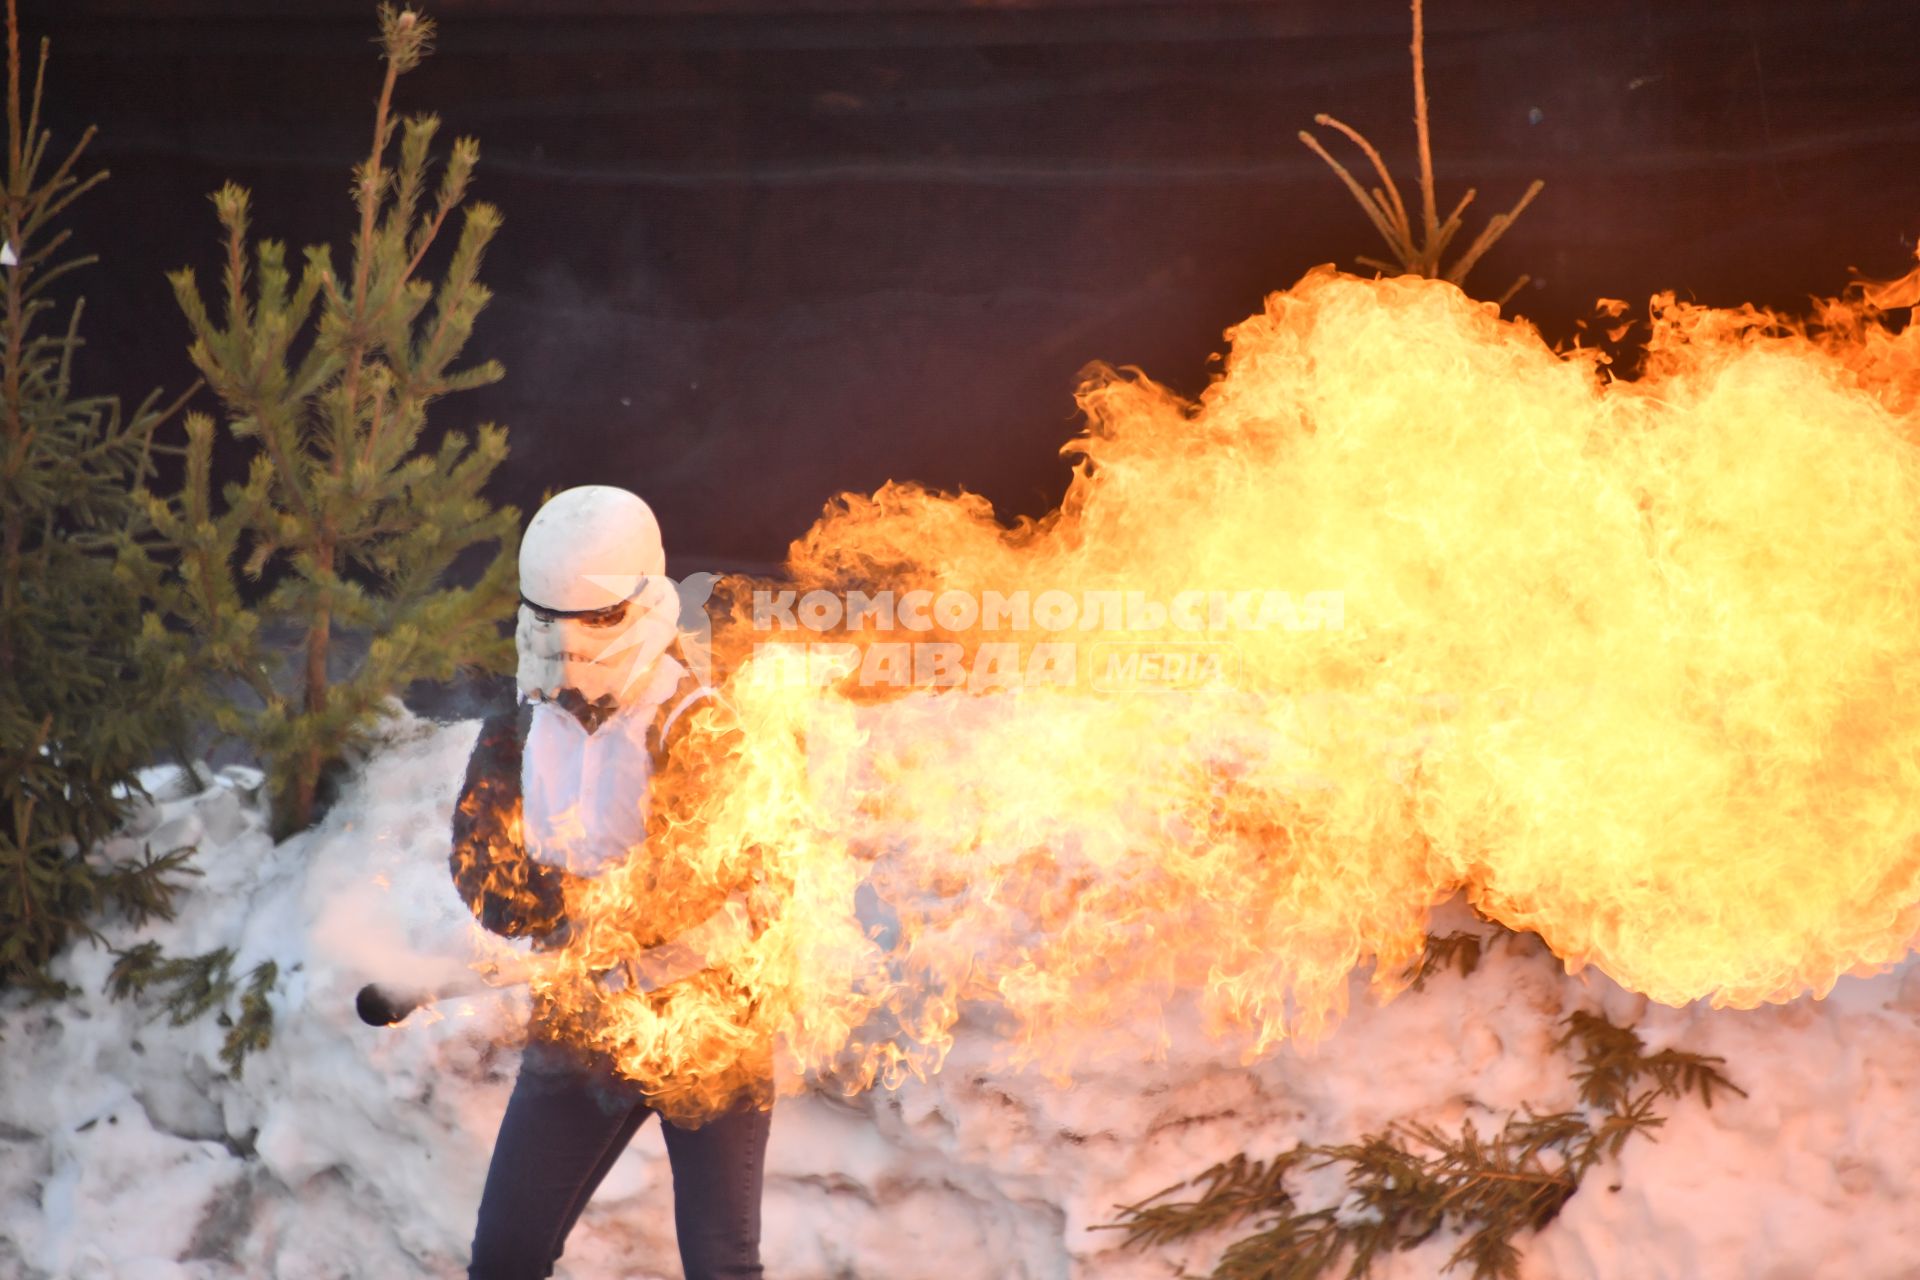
<point x="1630" y="663"/>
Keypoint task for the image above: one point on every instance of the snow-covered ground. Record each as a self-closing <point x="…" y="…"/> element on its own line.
<point x="343" y="1150"/>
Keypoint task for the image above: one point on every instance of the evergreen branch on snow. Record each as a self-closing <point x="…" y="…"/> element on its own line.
<point x="191" y="986"/>
<point x="1412" y="1181"/>
<point x="1459" y="950"/>
<point x="252" y="1030"/>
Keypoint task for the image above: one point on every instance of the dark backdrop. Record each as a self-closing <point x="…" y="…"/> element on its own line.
<point x="757" y="253"/>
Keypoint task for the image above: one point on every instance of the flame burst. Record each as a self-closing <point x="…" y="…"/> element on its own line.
<point x="1633" y="664"/>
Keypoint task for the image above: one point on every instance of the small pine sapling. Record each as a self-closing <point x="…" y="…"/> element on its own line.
<point x="352" y="520"/>
<point x="1421" y="253"/>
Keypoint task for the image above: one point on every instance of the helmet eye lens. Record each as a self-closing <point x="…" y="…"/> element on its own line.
<point x="611" y="616"/>
<point x="607" y="617"/>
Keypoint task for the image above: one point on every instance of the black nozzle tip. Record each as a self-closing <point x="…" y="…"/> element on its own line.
<point x="377" y="1008"/>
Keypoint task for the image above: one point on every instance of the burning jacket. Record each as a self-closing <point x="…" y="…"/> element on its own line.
<point x="528" y="829"/>
<point x="654" y="998"/>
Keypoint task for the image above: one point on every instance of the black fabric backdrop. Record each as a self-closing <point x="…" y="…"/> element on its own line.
<point x="758" y="253"/>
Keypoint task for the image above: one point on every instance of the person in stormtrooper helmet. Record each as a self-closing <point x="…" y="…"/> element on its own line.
<point x="600" y="696"/>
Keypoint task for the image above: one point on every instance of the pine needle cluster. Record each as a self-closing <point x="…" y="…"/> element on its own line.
<point x="1461" y="950"/>
<point x="1412" y="1181"/>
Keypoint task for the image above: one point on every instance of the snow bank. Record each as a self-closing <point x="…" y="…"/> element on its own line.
<point x="127" y="1152"/>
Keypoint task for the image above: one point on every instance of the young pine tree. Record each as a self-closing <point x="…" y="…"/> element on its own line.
<point x="79" y="709"/>
<point x="349" y="518"/>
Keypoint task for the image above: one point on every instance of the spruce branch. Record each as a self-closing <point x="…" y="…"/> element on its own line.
<point x="144" y="890"/>
<point x="134" y="970"/>
<point x="1230" y="1191"/>
<point x="192" y="986"/>
<point x="1613" y="1059"/>
<point x="252" y="1031"/>
<point x="1458" y="950"/>
<point x="1411" y="1181"/>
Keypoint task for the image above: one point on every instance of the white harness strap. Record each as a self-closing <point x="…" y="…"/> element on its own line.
<point x="665" y="726"/>
<point x="704" y="691"/>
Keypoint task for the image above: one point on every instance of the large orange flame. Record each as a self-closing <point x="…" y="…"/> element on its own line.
<point x="1633" y="664"/>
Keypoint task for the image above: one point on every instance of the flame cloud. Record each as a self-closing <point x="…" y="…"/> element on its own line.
<point x="1633" y="664"/>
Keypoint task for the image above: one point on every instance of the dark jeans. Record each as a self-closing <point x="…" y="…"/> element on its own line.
<point x="562" y="1132"/>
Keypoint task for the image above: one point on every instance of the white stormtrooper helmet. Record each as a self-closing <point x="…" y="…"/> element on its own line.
<point x="597" y="610"/>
